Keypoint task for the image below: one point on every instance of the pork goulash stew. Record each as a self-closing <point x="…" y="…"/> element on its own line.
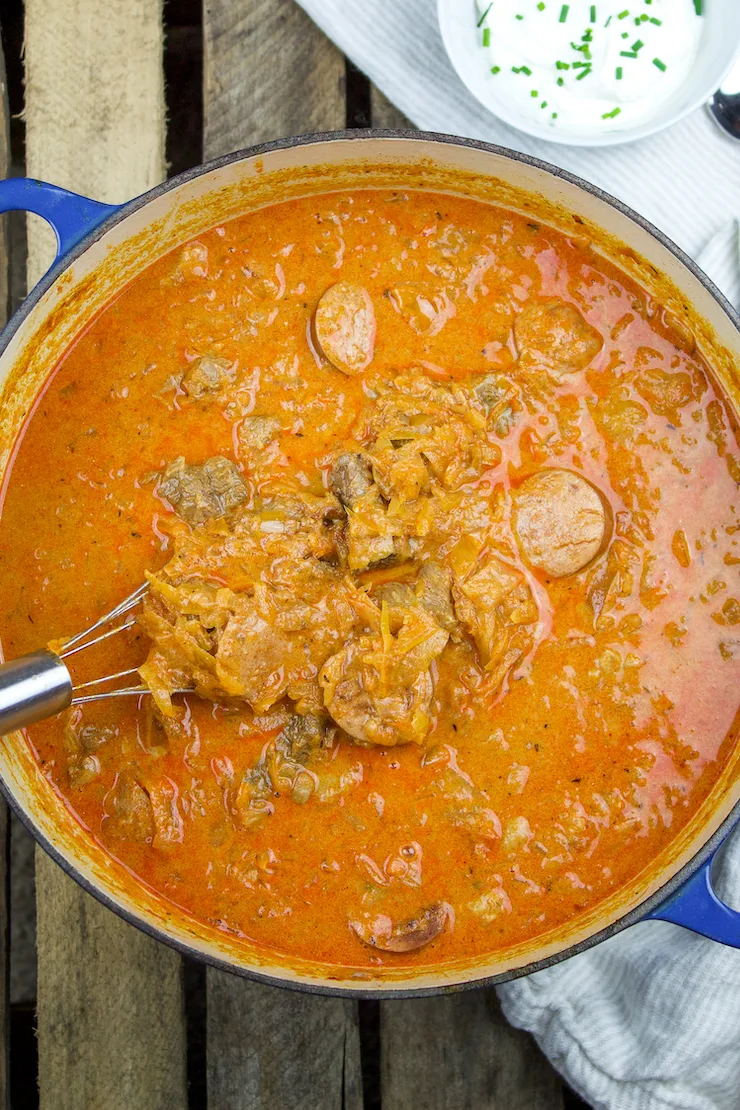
<point x="439" y="516"/>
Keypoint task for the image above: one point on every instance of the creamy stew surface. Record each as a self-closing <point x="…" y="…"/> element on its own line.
<point x="438" y="512"/>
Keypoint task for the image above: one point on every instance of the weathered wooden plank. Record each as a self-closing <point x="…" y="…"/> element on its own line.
<point x="385" y="114"/>
<point x="110" y="1011"/>
<point x="268" y="72"/>
<point x="111" y="1026"/>
<point x="459" y="1053"/>
<point x="271" y="1049"/>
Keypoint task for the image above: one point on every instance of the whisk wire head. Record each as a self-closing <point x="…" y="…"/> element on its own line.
<point x="124" y="606"/>
<point x="83" y="641"/>
<point x="40" y="684"/>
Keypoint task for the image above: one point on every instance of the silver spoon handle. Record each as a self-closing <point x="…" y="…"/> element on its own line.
<point x="33" y="687"/>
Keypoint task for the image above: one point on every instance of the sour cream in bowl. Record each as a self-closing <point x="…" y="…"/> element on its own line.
<point x="591" y="74"/>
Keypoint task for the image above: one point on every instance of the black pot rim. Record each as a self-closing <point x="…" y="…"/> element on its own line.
<point x="638" y="913"/>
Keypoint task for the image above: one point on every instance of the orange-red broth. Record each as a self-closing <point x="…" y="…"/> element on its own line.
<point x="606" y="741"/>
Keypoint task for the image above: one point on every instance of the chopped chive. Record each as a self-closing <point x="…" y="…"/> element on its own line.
<point x="661" y="65"/>
<point x="699" y="7"/>
<point x="627" y="54"/>
<point x="638" y="45"/>
<point x="657" y="22"/>
<point x="518" y="17"/>
<point x="495" y="70"/>
<point x="486" y="36"/>
<point x="540" y="7"/>
<point x="562" y="65"/>
<point x="613" y="114"/>
<point x="593" y="13"/>
<point x="564" y="13"/>
<point x="543" y="104"/>
<point x="637" y="21"/>
<point x="619" y="73"/>
<point x="644" y="18"/>
<point x="625" y="35"/>
<point x="583" y="73"/>
<point x="485" y="13"/>
<point x="608" y="21"/>
<point x="534" y="94"/>
<point x="624" y="14"/>
<point x="560" y="82"/>
<point x="526" y="70"/>
<point x="554" y="115"/>
<point x="588" y="36"/>
<point x="581" y="65"/>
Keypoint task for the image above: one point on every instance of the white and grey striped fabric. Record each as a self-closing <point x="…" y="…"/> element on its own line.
<point x="649" y="1020"/>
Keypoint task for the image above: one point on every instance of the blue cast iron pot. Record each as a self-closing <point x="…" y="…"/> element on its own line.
<point x="101" y="247"/>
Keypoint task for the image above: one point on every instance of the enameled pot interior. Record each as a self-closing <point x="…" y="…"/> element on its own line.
<point x="78" y="288"/>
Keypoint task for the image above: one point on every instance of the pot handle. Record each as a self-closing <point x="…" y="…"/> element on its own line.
<point x="70" y="215"/>
<point x="696" y="906"/>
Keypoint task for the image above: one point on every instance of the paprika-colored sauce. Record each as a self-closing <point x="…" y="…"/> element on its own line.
<point x="439" y="512"/>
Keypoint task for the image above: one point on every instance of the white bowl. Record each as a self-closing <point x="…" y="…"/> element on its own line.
<point x="719" y="50"/>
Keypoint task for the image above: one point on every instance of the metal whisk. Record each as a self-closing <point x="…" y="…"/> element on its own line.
<point x="39" y="684"/>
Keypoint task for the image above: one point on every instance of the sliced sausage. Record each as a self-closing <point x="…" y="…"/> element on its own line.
<point x="552" y="335"/>
<point x="399" y="717"/>
<point x="560" y="521"/>
<point x="344" y="324"/>
<point x="406" y="936"/>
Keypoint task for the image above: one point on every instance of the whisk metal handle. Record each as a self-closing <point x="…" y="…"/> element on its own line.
<point x="33" y="687"/>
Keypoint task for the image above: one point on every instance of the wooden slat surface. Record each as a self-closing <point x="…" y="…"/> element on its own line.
<point x="269" y="72"/>
<point x="385" y="114"/>
<point x="111" y="1032"/>
<point x="111" y="1028"/>
<point x="459" y="1053"/>
<point x="272" y="1049"/>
